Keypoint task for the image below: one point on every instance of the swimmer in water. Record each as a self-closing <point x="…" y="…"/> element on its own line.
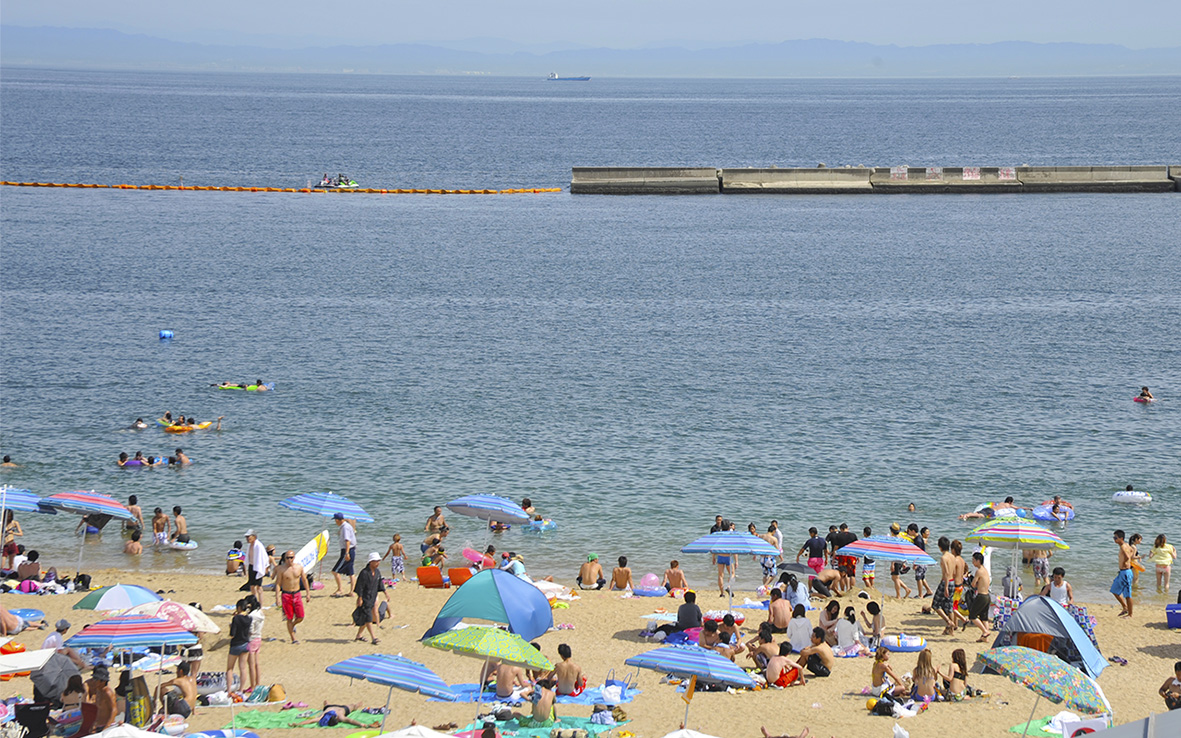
<point x="8" y="463"/>
<point x="122" y="459"/>
<point x="1145" y="394"/>
<point x="139" y="424"/>
<point x="260" y="387"/>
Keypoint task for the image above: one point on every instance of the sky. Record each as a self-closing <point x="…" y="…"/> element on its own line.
<point x="1136" y="24"/>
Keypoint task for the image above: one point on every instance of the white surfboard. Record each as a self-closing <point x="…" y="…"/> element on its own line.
<point x="312" y="552"/>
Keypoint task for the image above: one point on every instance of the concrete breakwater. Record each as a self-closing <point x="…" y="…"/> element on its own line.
<point x="870" y="180"/>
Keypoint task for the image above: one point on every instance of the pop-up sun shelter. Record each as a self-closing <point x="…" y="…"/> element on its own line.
<point x="500" y="597"/>
<point x="1042" y="616"/>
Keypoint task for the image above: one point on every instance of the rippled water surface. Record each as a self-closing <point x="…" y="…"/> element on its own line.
<point x="634" y="365"/>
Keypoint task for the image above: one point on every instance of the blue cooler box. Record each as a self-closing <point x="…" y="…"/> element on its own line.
<point x="1173" y="615"/>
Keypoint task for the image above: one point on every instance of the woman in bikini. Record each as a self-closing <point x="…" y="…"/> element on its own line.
<point x="884" y="679"/>
<point x="955" y="681"/>
<point x="924" y="678"/>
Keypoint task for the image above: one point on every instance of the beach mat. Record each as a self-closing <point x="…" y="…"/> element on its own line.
<point x="1035" y="726"/>
<point x="512" y="727"/>
<point x="592" y="696"/>
<point x="259" y="719"/>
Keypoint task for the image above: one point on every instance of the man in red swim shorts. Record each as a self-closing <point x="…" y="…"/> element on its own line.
<point x="291" y="581"/>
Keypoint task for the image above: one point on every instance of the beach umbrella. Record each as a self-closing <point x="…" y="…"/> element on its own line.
<point x="1015" y="534"/>
<point x="492" y="508"/>
<point x="87" y="503"/>
<point x="1049" y="677"/>
<point x="886" y="548"/>
<point x="500" y="597"/>
<point x="326" y="504"/>
<point x="415" y="731"/>
<point x="693" y="661"/>
<point x="21" y="500"/>
<point x="733" y="543"/>
<point x="125" y="632"/>
<point x="490" y="643"/>
<point x="686" y="733"/>
<point x="50" y="680"/>
<point x="117" y="597"/>
<point x="393" y="671"/>
<point x="186" y="616"/>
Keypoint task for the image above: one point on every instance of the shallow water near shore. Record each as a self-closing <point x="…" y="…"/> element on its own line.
<point x="634" y="365"/>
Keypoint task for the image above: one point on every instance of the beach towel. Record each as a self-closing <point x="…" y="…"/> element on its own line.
<point x="259" y="719"/>
<point x="565" y="723"/>
<point x="1035" y="727"/>
<point x="594" y="696"/>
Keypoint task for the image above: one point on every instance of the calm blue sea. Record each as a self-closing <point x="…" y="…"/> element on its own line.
<point x="633" y="364"/>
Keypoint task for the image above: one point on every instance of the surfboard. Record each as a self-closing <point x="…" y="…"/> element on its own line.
<point x="313" y="551"/>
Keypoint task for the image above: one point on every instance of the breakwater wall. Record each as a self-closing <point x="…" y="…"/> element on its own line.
<point x="870" y="180"/>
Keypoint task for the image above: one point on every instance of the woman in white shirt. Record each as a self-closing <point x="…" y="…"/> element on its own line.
<point x="799" y="629"/>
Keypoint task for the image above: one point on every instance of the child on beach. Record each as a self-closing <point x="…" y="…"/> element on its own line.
<point x="1137" y="566"/>
<point x="868" y="566"/>
<point x="161" y="527"/>
<point x="875" y="623"/>
<point x="1162" y="555"/>
<point x="397" y="556"/>
<point x="254" y="646"/>
<point x="1171" y="689"/>
<point x="621" y="576"/>
<point x="234" y="560"/>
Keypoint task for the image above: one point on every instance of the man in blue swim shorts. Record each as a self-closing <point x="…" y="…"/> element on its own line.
<point x="1122" y="586"/>
<point x="335" y="715"/>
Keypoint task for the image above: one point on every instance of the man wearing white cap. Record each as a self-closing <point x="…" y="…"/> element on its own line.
<point x="368" y="585"/>
<point x="56" y="641"/>
<point x="256" y="563"/>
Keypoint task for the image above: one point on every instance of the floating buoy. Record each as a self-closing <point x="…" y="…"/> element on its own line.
<point x="165" y="335"/>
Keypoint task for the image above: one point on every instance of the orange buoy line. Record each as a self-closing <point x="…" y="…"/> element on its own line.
<point x="518" y="191"/>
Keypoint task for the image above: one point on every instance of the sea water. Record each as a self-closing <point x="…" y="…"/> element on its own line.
<point x="634" y="365"/>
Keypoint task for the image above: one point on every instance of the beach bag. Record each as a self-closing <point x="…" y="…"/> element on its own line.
<point x="219" y="698"/>
<point x="139" y="703"/>
<point x="277" y="693"/>
<point x="383" y="612"/>
<point x="625" y="683"/>
<point x="259" y="693"/>
<point x="28" y="586"/>
<point x="360" y="616"/>
<point x="619" y="714"/>
<point x="82" y="582"/>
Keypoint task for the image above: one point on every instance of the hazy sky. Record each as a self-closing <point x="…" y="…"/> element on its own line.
<point x="619" y="23"/>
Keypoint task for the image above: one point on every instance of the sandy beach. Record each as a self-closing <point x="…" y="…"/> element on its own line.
<point x="606" y="631"/>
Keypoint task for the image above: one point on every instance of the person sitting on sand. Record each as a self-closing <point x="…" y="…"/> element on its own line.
<point x="179" y="695"/>
<point x="1171" y="689"/>
<point x="955" y="681"/>
<point x="729" y="632"/>
<point x="688" y="616"/>
<point x="674" y="577"/>
<point x="235" y="557"/>
<point x="99" y="692"/>
<point x="780" y="671"/>
<point x="30" y="568"/>
<point x="778" y="612"/>
<point x="884" y="680"/>
<point x="762" y="648"/>
<point x="511" y="682"/>
<point x="571" y="680"/>
<point x="799" y="630"/>
<point x="923" y="689"/>
<point x="829" y="617"/>
<point x="333" y="715"/>
<point x="711" y="639"/>
<point x="133" y="547"/>
<point x="621" y="576"/>
<point x="590" y="574"/>
<point x="875" y="623"/>
<point x="542" y="714"/>
<point x="818" y="657"/>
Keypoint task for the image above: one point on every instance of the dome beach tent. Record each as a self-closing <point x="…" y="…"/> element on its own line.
<point x="1041" y="615"/>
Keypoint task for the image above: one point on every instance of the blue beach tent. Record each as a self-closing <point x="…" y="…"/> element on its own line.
<point x="1070" y="643"/>
<point x="500" y="597"/>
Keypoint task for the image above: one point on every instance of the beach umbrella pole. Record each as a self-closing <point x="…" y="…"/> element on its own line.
<point x="81" y="549"/>
<point x="1025" y="732"/>
<point x="387" y="708"/>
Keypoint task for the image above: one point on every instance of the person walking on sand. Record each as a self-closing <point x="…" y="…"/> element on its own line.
<point x="815" y="546"/>
<point x="291" y="581"/>
<point x="180" y="532"/>
<point x="368" y="586"/>
<point x="1121" y="587"/>
<point x="941" y="600"/>
<point x="397" y="554"/>
<point x="256" y="564"/>
<point x="348" y="554"/>
<point x="898" y="568"/>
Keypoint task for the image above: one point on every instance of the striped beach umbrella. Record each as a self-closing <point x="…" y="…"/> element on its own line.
<point x="886" y="548"/>
<point x="1016" y="533"/>
<point x="186" y="616"/>
<point x="393" y="671"/>
<point x="326" y="504"/>
<point x="730" y="542"/>
<point x="493" y="508"/>
<point x="117" y="597"/>
<point x="124" y="632"/>
<point x="88" y="503"/>
<point x="21" y="500"/>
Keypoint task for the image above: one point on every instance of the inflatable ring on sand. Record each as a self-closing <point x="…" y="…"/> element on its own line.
<point x="649" y="591"/>
<point x="904" y="643"/>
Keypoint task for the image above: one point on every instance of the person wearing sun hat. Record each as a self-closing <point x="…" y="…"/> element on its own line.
<point x="366" y="589"/>
<point x="590" y="575"/>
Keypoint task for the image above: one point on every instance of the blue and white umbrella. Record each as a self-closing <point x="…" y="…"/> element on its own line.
<point x="22" y="500"/>
<point x="731" y="542"/>
<point x="493" y="508"/>
<point x="687" y="661"/>
<point x="326" y="504"/>
<point x="393" y="671"/>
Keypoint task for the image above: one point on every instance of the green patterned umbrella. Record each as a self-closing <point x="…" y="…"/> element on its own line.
<point x="1048" y="676"/>
<point x="490" y="643"/>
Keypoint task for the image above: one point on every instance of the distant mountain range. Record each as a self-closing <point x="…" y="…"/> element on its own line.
<point x="105" y="49"/>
